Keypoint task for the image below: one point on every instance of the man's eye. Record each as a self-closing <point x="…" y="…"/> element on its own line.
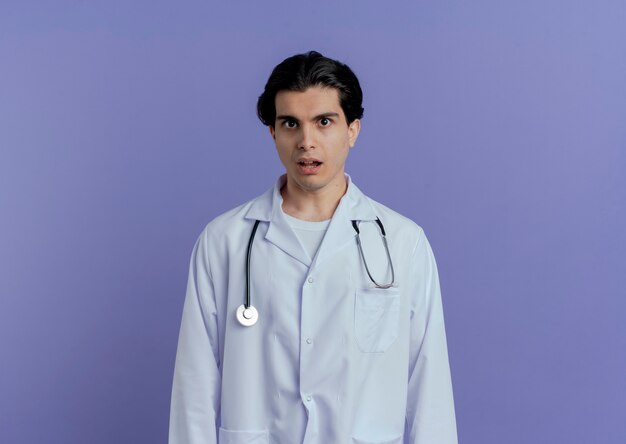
<point x="324" y="121"/>
<point x="290" y="123"/>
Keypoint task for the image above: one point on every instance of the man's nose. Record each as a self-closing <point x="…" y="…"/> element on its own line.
<point x="306" y="138"/>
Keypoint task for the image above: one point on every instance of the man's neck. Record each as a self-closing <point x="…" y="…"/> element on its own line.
<point x="312" y="206"/>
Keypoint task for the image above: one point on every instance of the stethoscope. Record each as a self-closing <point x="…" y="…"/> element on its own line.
<point x="247" y="315"/>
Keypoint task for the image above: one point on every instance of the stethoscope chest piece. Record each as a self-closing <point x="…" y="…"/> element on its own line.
<point x="247" y="316"/>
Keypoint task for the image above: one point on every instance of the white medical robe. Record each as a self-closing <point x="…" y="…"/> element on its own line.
<point x="331" y="360"/>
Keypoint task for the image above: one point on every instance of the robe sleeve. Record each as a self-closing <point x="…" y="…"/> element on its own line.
<point x="194" y="408"/>
<point x="430" y="414"/>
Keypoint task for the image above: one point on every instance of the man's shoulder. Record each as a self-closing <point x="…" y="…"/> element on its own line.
<point x="230" y="221"/>
<point x="225" y="220"/>
<point x="396" y="224"/>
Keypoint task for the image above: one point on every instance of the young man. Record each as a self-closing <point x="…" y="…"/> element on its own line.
<point x="313" y="313"/>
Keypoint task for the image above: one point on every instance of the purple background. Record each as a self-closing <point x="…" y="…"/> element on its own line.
<point x="497" y="126"/>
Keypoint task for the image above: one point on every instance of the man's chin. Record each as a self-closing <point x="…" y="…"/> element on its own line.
<point x="308" y="183"/>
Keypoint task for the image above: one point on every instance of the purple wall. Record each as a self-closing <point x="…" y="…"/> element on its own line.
<point x="124" y="128"/>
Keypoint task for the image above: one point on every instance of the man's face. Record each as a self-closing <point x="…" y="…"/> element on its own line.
<point x="313" y="138"/>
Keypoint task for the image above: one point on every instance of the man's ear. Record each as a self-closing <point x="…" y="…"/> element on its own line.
<point x="353" y="131"/>
<point x="272" y="132"/>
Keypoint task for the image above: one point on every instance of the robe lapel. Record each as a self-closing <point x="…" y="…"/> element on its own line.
<point x="267" y="207"/>
<point x="354" y="205"/>
<point x="282" y="235"/>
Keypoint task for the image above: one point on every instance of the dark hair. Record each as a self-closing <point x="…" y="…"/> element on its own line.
<point x="302" y="71"/>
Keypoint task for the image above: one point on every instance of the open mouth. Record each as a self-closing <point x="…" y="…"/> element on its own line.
<point x="311" y="163"/>
<point x="309" y="166"/>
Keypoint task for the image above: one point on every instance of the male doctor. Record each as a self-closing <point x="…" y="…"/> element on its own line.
<point x="337" y="336"/>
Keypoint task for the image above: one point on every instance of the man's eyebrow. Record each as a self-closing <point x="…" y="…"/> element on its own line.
<point x="319" y="116"/>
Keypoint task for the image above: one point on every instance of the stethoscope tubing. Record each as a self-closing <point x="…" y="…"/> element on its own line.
<point x="247" y="314"/>
<point x="256" y="224"/>
<point x="383" y="235"/>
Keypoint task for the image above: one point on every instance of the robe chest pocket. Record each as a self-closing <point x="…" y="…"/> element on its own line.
<point x="376" y="317"/>
<point x="243" y="437"/>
